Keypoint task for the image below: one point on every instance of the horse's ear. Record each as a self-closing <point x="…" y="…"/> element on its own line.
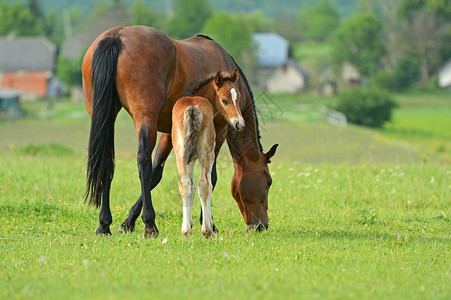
<point x="234" y="76"/>
<point x="219" y="79"/>
<point x="271" y="153"/>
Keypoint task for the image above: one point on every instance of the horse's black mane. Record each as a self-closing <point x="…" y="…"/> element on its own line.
<point x="252" y="101"/>
<point x="205" y="36"/>
<point x="196" y="86"/>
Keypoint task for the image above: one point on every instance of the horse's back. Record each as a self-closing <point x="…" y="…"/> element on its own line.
<point x="184" y="103"/>
<point x="193" y="133"/>
<point x="199" y="56"/>
<point x="145" y="68"/>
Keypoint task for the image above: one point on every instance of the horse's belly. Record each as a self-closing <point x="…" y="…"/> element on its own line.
<point x="164" y="123"/>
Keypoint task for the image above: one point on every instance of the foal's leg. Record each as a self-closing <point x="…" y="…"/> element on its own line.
<point x="205" y="192"/>
<point x="162" y="153"/>
<point x="187" y="191"/>
<point x="220" y="138"/>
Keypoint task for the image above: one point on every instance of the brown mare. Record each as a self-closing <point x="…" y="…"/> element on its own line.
<point x="193" y="136"/>
<point x="145" y="72"/>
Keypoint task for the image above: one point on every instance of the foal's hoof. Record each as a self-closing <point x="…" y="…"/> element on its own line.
<point x="103" y="230"/>
<point x="151" y="232"/>
<point x="126" y="227"/>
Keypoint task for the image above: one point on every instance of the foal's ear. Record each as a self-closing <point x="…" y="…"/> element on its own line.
<point x="271" y="153"/>
<point x="219" y="79"/>
<point x="234" y="76"/>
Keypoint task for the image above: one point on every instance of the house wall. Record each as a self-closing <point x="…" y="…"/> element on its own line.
<point x="31" y="82"/>
<point x="444" y="76"/>
<point x="285" y="80"/>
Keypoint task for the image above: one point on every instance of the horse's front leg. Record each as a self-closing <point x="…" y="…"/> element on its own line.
<point x="163" y="150"/>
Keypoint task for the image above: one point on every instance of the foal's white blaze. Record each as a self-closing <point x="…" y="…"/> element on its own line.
<point x="234" y="95"/>
<point x="234" y="98"/>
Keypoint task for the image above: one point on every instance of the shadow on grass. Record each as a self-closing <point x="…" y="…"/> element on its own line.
<point x="396" y="237"/>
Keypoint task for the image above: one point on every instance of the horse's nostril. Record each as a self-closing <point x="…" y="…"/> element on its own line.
<point x="237" y="125"/>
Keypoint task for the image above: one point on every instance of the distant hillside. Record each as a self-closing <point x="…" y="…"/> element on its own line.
<point x="270" y="8"/>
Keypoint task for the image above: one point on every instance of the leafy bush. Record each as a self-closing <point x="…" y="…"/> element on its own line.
<point x="406" y="72"/>
<point x="370" y="107"/>
<point x="384" y="79"/>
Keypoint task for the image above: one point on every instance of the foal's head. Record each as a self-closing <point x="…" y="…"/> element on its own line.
<point x="228" y="99"/>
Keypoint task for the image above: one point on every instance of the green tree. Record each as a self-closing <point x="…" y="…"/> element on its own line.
<point x="359" y="41"/>
<point x="441" y="8"/>
<point x="427" y="34"/>
<point x="189" y="18"/>
<point x="406" y="72"/>
<point x="260" y="23"/>
<point x="69" y="70"/>
<point x="35" y="9"/>
<point x="319" y="21"/>
<point x="143" y="14"/>
<point x="17" y="18"/>
<point x="234" y="33"/>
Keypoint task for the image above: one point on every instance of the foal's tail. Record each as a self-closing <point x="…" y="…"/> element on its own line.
<point x="100" y="168"/>
<point x="192" y="122"/>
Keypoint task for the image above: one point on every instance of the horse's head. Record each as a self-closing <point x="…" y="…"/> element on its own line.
<point x="250" y="186"/>
<point x="228" y="99"/>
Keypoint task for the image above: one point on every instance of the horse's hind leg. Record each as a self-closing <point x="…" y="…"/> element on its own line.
<point x="146" y="142"/>
<point x="163" y="150"/>
<point x="105" y="218"/>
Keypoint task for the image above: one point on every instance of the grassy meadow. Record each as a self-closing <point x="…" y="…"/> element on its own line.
<point x="354" y="212"/>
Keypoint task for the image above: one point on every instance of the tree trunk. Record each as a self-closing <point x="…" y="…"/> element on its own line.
<point x="424" y="70"/>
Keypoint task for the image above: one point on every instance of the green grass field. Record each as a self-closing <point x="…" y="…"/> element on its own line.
<point x="354" y="213"/>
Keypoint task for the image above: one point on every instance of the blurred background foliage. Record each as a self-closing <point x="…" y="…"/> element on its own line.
<point x="401" y="42"/>
<point x="395" y="45"/>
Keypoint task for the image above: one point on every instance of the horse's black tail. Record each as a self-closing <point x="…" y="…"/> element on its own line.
<point x="192" y="122"/>
<point x="100" y="167"/>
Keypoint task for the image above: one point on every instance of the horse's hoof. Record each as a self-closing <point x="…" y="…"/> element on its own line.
<point x="105" y="231"/>
<point x="151" y="232"/>
<point x="208" y="234"/>
<point x="124" y="228"/>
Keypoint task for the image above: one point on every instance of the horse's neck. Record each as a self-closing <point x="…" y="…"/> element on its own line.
<point x="244" y="146"/>
<point x="208" y="91"/>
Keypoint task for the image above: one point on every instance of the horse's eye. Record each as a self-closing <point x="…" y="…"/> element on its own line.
<point x="224" y="101"/>
<point x="268" y="184"/>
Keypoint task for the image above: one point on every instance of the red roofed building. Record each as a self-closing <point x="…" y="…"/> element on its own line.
<point x="27" y="64"/>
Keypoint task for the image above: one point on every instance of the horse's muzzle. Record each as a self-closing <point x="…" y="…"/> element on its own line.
<point x="257" y="227"/>
<point x="239" y="124"/>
